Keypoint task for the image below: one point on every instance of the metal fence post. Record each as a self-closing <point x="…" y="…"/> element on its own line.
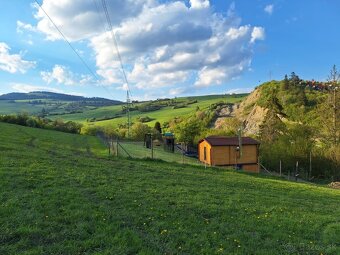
<point x="117" y="146"/>
<point x="151" y="146"/>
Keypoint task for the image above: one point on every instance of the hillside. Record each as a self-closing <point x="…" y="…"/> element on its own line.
<point x="36" y="95"/>
<point x="43" y="103"/>
<point x="297" y="123"/>
<point x="60" y="194"/>
<point x="162" y="110"/>
<point x="298" y="103"/>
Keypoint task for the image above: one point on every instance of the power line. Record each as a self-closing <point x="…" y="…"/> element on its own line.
<point x="71" y="46"/>
<point x="128" y="92"/>
<point x="115" y="44"/>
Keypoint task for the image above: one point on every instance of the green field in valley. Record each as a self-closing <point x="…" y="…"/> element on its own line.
<point x="61" y="194"/>
<point x="10" y="107"/>
<point x="162" y="115"/>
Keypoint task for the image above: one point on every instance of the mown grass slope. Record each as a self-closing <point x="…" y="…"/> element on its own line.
<point x="61" y="195"/>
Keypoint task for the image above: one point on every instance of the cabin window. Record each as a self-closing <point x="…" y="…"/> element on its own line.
<point x="205" y="153"/>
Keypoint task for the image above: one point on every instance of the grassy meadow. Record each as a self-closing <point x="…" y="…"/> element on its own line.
<point x="10" y="107"/>
<point x="61" y="194"/>
<point x="162" y="115"/>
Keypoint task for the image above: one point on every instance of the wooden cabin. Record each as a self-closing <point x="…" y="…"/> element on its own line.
<point x="230" y="151"/>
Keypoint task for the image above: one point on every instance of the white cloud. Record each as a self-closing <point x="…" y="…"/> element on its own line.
<point x="238" y="91"/>
<point x="198" y="4"/>
<point x="257" y="34"/>
<point x="175" y="91"/>
<point x="207" y="77"/>
<point x="163" y="44"/>
<point x="269" y="9"/>
<point x="22" y="27"/>
<point x="25" y="88"/>
<point x="13" y="63"/>
<point x="62" y="75"/>
<point x="82" y="19"/>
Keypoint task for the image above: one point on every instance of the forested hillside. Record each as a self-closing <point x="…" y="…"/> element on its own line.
<point x="298" y="123"/>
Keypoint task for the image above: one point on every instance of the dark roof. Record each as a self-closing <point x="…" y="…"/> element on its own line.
<point x="224" y="140"/>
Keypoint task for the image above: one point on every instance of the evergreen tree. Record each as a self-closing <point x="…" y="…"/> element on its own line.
<point x="158" y="127"/>
<point x="294" y="79"/>
<point x="285" y="84"/>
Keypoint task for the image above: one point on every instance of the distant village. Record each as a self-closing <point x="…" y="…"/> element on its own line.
<point x="318" y="85"/>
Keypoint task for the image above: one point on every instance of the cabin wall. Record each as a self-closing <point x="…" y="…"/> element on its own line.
<point x="228" y="155"/>
<point x="251" y="168"/>
<point x="220" y="155"/>
<point x="201" y="152"/>
<point x="249" y="154"/>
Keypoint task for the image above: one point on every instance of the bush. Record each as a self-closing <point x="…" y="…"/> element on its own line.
<point x="138" y="131"/>
<point x="24" y="120"/>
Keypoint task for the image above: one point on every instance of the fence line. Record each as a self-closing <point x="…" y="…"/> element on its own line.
<point x="140" y="149"/>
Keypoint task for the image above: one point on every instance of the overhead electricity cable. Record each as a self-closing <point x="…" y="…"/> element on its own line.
<point x="115" y="44"/>
<point x="71" y="46"/>
<point x="128" y="92"/>
<point x="100" y="16"/>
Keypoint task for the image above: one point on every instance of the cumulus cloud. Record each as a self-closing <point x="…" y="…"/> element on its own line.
<point x="22" y="27"/>
<point x="163" y="44"/>
<point x="198" y="4"/>
<point x="25" y="88"/>
<point x="13" y="63"/>
<point x="61" y="75"/>
<point x="257" y="34"/>
<point x="81" y="19"/>
<point x="269" y="9"/>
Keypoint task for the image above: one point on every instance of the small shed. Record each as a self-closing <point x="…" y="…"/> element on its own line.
<point x="169" y="142"/>
<point x="242" y="153"/>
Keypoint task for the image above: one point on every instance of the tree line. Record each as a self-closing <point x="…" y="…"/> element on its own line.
<point x="24" y="119"/>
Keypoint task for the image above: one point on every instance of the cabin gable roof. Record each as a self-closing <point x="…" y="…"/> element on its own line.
<point x="229" y="141"/>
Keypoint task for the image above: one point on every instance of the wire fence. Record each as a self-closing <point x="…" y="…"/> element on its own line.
<point x="157" y="149"/>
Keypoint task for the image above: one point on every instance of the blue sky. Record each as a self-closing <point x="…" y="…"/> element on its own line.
<point x="168" y="48"/>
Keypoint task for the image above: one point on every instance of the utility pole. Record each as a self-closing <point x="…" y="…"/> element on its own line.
<point x="128" y="103"/>
<point x="335" y="114"/>
<point x="280" y="169"/>
<point x="310" y="164"/>
<point x="296" y="171"/>
<point x="151" y="146"/>
<point x="334" y="78"/>
<point x="240" y="130"/>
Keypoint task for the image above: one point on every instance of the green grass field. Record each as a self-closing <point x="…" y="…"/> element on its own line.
<point x="7" y="107"/>
<point x="61" y="194"/>
<point x="162" y="115"/>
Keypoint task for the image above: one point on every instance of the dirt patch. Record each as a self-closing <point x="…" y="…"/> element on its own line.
<point x="334" y="185"/>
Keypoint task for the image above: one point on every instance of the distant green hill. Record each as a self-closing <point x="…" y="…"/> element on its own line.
<point x="60" y="194"/>
<point x="36" y="95"/>
<point x="44" y="103"/>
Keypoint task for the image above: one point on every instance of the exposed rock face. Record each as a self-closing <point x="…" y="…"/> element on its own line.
<point x="247" y="112"/>
<point x="254" y="120"/>
<point x="223" y="113"/>
<point x="251" y="114"/>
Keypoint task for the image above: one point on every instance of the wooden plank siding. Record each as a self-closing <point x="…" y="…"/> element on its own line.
<point x="228" y="155"/>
